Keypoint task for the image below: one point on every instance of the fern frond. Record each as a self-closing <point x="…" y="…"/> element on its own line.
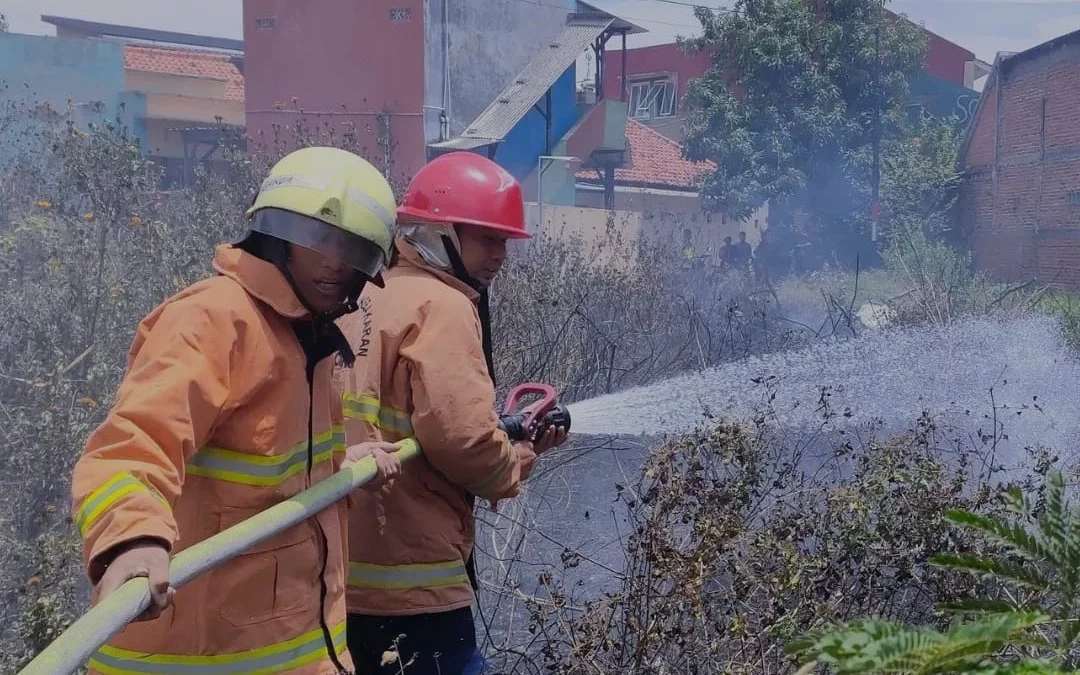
<point x="1053" y="532"/>
<point x="970" y="643"/>
<point x="1015" y="502"/>
<point x="871" y="646"/>
<point x="1021" y="576"/>
<point x="874" y="646"/>
<point x="1014" y="537"/>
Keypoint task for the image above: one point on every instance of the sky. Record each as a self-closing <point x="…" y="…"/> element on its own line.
<point x="983" y="26"/>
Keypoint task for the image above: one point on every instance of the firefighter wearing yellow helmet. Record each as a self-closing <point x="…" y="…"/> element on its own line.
<point x="227" y="409"/>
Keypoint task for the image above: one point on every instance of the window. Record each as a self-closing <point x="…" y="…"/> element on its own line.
<point x="652" y="98"/>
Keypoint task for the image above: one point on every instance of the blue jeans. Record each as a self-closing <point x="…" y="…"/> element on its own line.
<point x="443" y="643"/>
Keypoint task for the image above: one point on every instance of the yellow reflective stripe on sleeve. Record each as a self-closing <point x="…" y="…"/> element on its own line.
<point x="278" y="658"/>
<point x="369" y="409"/>
<point x="98" y="502"/>
<point x="265" y="470"/>
<point x="397" y="577"/>
<point x="498" y="473"/>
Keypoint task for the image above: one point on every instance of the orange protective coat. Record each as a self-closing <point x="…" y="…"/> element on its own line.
<point x="210" y="426"/>
<point x="425" y="377"/>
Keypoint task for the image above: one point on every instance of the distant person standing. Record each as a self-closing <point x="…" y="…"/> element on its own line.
<point x="727" y="252"/>
<point x="688" y="252"/>
<point x="744" y="254"/>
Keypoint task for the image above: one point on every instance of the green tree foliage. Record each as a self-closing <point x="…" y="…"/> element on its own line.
<point x="788" y="110"/>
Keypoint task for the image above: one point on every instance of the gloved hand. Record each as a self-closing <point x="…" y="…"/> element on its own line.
<point x="143" y="558"/>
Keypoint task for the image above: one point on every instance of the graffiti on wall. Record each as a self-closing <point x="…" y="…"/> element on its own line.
<point x="965" y="108"/>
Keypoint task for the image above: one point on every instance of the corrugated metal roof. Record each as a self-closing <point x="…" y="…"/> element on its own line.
<point x="531" y="83"/>
<point x="463" y="143"/>
<point x="148" y="34"/>
<point x="620" y="24"/>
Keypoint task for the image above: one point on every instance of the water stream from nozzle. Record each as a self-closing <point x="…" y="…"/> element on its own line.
<point x="890" y="375"/>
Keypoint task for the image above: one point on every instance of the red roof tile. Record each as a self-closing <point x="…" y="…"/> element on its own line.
<point x="655" y="161"/>
<point x="187" y="62"/>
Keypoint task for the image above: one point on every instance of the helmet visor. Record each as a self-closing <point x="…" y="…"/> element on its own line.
<point x="362" y="255"/>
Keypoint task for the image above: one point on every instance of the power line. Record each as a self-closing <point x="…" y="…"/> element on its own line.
<point x="693" y="5"/>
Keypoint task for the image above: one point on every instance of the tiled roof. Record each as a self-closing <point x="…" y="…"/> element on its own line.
<point x="187" y="62"/>
<point x="655" y="161"/>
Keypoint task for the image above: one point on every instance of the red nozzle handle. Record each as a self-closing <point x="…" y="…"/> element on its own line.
<point x="548" y="401"/>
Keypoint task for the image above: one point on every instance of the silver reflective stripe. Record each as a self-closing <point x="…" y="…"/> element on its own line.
<point x="370" y="204"/>
<point x="369" y="409"/>
<point x="282" y="657"/>
<point x="433" y="575"/>
<point x="251" y="469"/>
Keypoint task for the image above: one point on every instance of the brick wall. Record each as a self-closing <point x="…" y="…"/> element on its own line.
<point x="981" y="148"/>
<point x="1019" y="203"/>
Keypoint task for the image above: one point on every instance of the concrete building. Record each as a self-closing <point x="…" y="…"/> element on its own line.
<point x="394" y="74"/>
<point x="657" y="79"/>
<point x="185" y="92"/>
<point x="538" y="119"/>
<point x="178" y="94"/>
<point x="46" y="76"/>
<point x="1019" y="202"/>
<point x="664" y="189"/>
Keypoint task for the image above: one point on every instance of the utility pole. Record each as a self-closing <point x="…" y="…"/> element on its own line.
<point x="875" y="181"/>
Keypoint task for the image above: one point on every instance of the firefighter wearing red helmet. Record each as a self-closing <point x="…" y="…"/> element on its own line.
<point x="428" y="376"/>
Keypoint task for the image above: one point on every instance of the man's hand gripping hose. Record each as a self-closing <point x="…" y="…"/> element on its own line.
<point x="534" y="429"/>
<point x="536" y="419"/>
<point x="82" y="639"/>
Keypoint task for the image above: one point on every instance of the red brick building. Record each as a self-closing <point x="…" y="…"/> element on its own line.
<point x="1019" y="201"/>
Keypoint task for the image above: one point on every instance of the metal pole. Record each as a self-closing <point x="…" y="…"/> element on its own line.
<point x="875" y="208"/>
<point x="77" y="644"/>
<point x="539" y="187"/>
<point x="622" y="83"/>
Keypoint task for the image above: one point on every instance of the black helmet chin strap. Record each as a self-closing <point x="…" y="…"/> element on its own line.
<point x="482" y="306"/>
<point x="276" y="252"/>
<point x="324" y="321"/>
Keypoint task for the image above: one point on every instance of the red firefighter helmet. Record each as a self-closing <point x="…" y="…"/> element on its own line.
<point x="464" y="188"/>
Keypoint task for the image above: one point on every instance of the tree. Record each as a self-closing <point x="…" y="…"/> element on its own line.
<point x="4" y="27"/>
<point x="797" y="95"/>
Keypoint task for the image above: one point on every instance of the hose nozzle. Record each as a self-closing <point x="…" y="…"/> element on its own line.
<point x="516" y="427"/>
<point x="527" y="426"/>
